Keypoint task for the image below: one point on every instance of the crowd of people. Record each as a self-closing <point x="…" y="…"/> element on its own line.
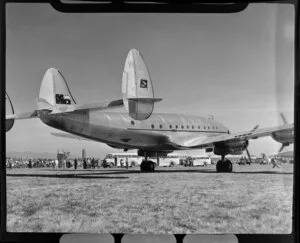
<point x="52" y="163"/>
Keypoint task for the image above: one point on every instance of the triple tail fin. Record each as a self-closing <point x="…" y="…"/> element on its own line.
<point x="54" y="92"/>
<point x="137" y="87"/>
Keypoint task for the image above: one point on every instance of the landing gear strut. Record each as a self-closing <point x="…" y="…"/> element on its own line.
<point x="147" y="165"/>
<point x="224" y="165"/>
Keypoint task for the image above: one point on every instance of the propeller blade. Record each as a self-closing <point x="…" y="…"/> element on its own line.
<point x="281" y="148"/>
<point x="283" y="118"/>
<point x="254" y="128"/>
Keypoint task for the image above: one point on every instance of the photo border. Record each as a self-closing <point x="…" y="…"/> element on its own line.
<point x="142" y="6"/>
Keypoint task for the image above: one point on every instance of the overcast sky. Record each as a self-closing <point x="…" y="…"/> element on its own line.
<point x="237" y="67"/>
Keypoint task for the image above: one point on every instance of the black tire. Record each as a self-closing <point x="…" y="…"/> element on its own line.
<point x="228" y="166"/>
<point x="219" y="166"/>
<point x="148" y="166"/>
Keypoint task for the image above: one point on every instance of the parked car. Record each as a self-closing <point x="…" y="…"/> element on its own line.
<point x="261" y="161"/>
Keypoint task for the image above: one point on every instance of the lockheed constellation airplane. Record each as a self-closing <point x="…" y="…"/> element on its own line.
<point x="151" y="134"/>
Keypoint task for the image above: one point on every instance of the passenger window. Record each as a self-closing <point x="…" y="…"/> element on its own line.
<point x="152" y="126"/>
<point x="182" y="126"/>
<point x="170" y="126"/>
<point x="160" y="126"/>
<point x="132" y="122"/>
<point x="192" y="127"/>
<point x="198" y="127"/>
<point x="187" y="127"/>
<point x="176" y="127"/>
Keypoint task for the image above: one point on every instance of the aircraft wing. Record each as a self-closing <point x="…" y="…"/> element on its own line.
<point x="204" y="142"/>
<point x="69" y="135"/>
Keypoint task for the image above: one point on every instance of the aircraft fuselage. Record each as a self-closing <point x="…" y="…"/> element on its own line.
<point x="120" y="130"/>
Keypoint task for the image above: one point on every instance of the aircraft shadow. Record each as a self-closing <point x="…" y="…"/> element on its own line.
<point x="69" y="176"/>
<point x="204" y="171"/>
<point x="104" y="173"/>
<point x="263" y="172"/>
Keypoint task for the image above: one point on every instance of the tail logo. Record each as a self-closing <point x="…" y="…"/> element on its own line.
<point x="144" y="84"/>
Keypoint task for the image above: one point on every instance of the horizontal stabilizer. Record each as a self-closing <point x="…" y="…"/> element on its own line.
<point x="91" y="106"/>
<point x="10" y="119"/>
<point x="23" y="115"/>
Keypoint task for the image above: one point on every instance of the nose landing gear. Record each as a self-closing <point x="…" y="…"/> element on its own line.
<point x="224" y="165"/>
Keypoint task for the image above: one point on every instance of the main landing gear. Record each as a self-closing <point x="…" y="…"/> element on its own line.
<point x="224" y="165"/>
<point x="147" y="165"/>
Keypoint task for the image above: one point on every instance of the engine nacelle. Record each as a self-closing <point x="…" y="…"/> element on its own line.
<point x="284" y="137"/>
<point x="153" y="153"/>
<point x="234" y="148"/>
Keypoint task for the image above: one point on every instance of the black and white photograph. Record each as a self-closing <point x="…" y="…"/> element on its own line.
<point x="150" y="123"/>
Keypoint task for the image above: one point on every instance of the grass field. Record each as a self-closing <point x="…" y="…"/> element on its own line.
<point x="253" y="199"/>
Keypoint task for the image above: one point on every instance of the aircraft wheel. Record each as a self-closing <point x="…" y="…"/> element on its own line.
<point x="147" y="166"/>
<point x="228" y="166"/>
<point x="220" y="166"/>
<point x="224" y="166"/>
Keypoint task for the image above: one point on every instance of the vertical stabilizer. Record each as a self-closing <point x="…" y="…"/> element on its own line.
<point x="137" y="88"/>
<point x="54" y="91"/>
<point x="9" y="110"/>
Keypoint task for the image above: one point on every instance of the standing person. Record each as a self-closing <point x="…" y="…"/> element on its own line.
<point x="274" y="163"/>
<point x="30" y="164"/>
<point x="93" y="163"/>
<point x="75" y="164"/>
<point x="84" y="163"/>
<point x="127" y="163"/>
<point x="116" y="161"/>
<point x="88" y="162"/>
